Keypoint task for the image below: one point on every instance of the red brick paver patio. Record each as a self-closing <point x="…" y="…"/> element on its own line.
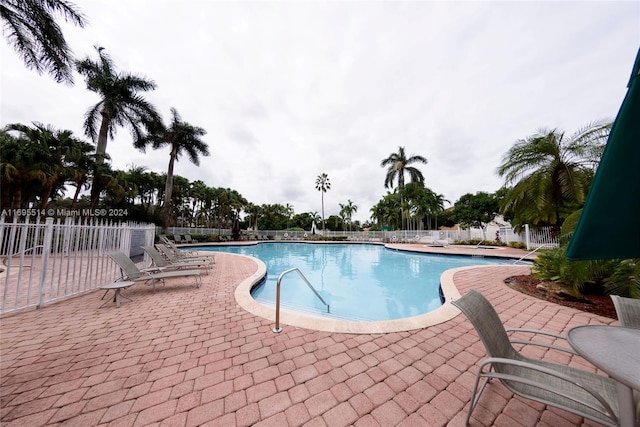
<point x="186" y="356"/>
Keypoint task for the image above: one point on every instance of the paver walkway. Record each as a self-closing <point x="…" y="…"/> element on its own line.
<point x="186" y="356"/>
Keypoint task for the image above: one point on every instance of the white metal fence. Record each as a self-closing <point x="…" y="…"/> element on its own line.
<point x="48" y="261"/>
<point x="51" y="260"/>
<point x="531" y="237"/>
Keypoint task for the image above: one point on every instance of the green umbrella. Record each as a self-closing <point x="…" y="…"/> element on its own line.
<point x="609" y="226"/>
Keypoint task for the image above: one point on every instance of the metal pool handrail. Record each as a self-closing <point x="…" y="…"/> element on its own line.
<point x="542" y="246"/>
<point x="277" y="328"/>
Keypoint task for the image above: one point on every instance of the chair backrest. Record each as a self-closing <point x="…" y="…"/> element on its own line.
<point x="125" y="264"/>
<point x="167" y="252"/>
<point x="177" y="238"/>
<point x="628" y="311"/>
<point x="155" y="256"/>
<point x="487" y="324"/>
<point x="169" y="244"/>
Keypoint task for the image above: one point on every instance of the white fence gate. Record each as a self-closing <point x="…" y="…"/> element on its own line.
<point x="47" y="261"/>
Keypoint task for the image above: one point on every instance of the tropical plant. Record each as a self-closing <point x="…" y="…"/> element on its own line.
<point x="419" y="203"/>
<point x="387" y="212"/>
<point x="181" y="137"/>
<point x="323" y="185"/>
<point x="254" y="212"/>
<point x="288" y="210"/>
<point x="78" y="170"/>
<point x="551" y="174"/>
<point x="476" y="210"/>
<point x="398" y="164"/>
<point x="346" y="212"/>
<point x="273" y="217"/>
<point x="625" y="280"/>
<point x="580" y="277"/>
<point x="29" y="166"/>
<point x="38" y="164"/>
<point x="121" y="105"/>
<point x="30" y="26"/>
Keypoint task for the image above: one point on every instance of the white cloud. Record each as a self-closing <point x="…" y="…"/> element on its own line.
<point x="289" y="90"/>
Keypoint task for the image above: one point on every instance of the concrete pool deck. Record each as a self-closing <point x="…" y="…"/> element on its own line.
<point x="187" y="356"/>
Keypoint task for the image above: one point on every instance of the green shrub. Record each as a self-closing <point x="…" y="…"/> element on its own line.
<point x="581" y="277"/>
<point x="479" y="242"/>
<point x="518" y="245"/>
<point x="568" y="226"/>
<point x="625" y="280"/>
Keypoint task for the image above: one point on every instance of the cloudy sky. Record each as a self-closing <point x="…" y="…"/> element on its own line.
<point x="289" y="90"/>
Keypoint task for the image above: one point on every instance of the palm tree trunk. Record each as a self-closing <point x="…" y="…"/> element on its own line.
<point x="322" y="197"/>
<point x="74" y="203"/>
<point x="101" y="150"/>
<point x="17" y="194"/>
<point x="46" y="193"/>
<point x="168" y="189"/>
<point x="5" y="196"/>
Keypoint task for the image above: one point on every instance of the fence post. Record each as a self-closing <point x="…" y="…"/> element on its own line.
<point x="125" y="238"/>
<point x="527" y="236"/>
<point x="46" y="250"/>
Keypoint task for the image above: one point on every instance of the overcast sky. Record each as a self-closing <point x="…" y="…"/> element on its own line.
<point x="289" y="90"/>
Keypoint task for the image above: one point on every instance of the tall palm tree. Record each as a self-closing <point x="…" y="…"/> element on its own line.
<point x="288" y="211"/>
<point x="40" y="164"/>
<point x="82" y="162"/>
<point x="121" y="105"/>
<point x="30" y="26"/>
<point x="254" y="212"/>
<point x="347" y="210"/>
<point x="181" y="137"/>
<point x="551" y="174"/>
<point x="385" y="212"/>
<point x="398" y="163"/>
<point x="322" y="185"/>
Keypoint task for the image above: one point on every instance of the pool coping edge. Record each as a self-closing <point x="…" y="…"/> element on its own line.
<point x="442" y="314"/>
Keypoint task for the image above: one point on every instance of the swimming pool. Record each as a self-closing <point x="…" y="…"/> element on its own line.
<point x="360" y="282"/>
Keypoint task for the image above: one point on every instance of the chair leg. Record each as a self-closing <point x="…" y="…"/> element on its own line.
<point x="475" y="395"/>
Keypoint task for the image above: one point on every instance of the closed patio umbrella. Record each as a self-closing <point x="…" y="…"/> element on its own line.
<point x="609" y="226"/>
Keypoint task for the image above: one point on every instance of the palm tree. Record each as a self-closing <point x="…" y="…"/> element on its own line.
<point x="398" y="164"/>
<point x="180" y="137"/>
<point x="385" y="212"/>
<point x="322" y="185"/>
<point x="288" y="211"/>
<point x="254" y="212"/>
<point x="551" y="174"/>
<point x="81" y="163"/>
<point x="347" y="210"/>
<point x="31" y="28"/>
<point x="121" y="105"/>
<point x="41" y="163"/>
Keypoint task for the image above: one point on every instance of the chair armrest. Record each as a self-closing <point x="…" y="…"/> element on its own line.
<point x="540" y="344"/>
<point x="152" y="269"/>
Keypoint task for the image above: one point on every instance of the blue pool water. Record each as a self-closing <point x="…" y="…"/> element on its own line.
<point x="359" y="281"/>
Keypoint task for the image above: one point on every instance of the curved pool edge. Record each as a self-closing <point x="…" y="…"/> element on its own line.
<point x="442" y="314"/>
